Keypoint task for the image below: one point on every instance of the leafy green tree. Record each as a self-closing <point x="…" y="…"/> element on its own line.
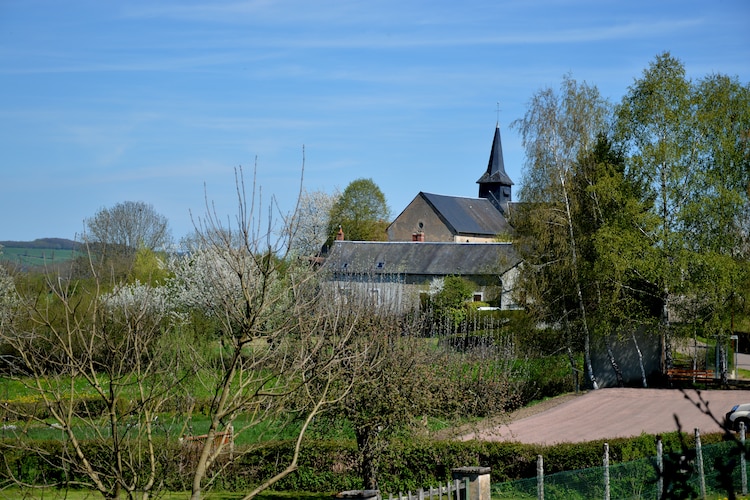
<point x="361" y="212"/>
<point x="688" y="146"/>
<point x="610" y="218"/>
<point x="716" y="214"/>
<point x="149" y="267"/>
<point x="655" y="122"/>
<point x="449" y="302"/>
<point x="556" y="130"/>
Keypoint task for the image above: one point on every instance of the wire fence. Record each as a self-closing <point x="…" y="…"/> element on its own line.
<point x="709" y="471"/>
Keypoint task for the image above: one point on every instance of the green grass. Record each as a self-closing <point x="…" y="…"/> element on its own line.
<point x="54" y="494"/>
<point x="37" y="256"/>
<point x="175" y="426"/>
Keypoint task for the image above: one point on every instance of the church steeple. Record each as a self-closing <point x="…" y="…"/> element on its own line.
<point x="495" y="185"/>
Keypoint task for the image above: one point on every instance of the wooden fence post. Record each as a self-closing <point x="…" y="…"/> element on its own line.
<point x="477" y="481"/>
<point x="540" y="477"/>
<point x="699" y="459"/>
<point x="605" y="463"/>
<point x="660" y="466"/>
<point x="743" y="460"/>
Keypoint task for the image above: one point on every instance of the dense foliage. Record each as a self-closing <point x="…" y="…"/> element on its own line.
<point x="361" y="212"/>
<point x="635" y="216"/>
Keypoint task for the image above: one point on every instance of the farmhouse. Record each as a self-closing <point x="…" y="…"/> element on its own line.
<point x="433" y="237"/>
<point x="397" y="275"/>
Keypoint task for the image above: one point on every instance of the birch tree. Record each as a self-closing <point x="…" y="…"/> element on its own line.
<point x="716" y="214"/>
<point x="613" y="224"/>
<point x="556" y="131"/>
<point x="655" y="122"/>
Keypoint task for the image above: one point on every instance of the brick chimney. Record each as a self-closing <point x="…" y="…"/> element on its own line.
<point x="340" y="234"/>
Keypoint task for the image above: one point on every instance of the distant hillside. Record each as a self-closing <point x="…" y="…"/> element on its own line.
<point x="42" y="252"/>
<point x="42" y="243"/>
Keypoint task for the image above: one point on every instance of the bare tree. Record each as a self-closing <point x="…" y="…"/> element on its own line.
<point x="129" y="225"/>
<point x="285" y="351"/>
<point x="101" y="363"/>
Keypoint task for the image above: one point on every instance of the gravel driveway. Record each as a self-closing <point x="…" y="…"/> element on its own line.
<point x="610" y="413"/>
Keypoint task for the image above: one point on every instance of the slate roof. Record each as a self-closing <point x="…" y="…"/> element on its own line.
<point x="495" y="173"/>
<point x="420" y="258"/>
<point x="470" y="216"/>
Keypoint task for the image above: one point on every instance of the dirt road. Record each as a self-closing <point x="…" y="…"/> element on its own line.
<point x="610" y="413"/>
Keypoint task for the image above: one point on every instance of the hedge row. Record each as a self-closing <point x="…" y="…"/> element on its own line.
<point x="327" y="466"/>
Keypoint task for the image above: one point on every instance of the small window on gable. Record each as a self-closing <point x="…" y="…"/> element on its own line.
<point x="344" y="265"/>
<point x="380" y="265"/>
<point x="478" y="297"/>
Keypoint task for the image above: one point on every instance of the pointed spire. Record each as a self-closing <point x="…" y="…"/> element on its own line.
<point x="495" y="173"/>
<point x="495" y="185"/>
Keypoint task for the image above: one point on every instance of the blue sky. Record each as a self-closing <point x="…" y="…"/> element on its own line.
<point x="103" y="102"/>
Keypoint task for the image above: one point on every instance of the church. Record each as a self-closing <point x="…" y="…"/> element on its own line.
<point x="433" y="237"/>
<point x="440" y="218"/>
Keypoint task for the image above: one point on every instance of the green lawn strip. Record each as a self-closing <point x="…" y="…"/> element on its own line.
<point x="175" y="426"/>
<point x="55" y="494"/>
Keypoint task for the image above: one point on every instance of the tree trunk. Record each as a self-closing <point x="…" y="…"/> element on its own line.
<point x="366" y="443"/>
<point x="613" y="362"/>
<point x="640" y="360"/>
<point x="576" y="279"/>
<point x="587" y="356"/>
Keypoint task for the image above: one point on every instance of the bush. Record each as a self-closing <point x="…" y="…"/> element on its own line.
<point x="327" y="466"/>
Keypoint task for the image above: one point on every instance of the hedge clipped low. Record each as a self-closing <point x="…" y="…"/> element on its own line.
<point x="328" y="466"/>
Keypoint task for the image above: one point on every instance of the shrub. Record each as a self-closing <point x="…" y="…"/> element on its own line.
<point x="327" y="466"/>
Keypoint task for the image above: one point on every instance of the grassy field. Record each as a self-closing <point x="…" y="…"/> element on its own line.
<point x="32" y="257"/>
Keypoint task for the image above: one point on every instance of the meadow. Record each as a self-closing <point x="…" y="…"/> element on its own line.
<point x="35" y="257"/>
